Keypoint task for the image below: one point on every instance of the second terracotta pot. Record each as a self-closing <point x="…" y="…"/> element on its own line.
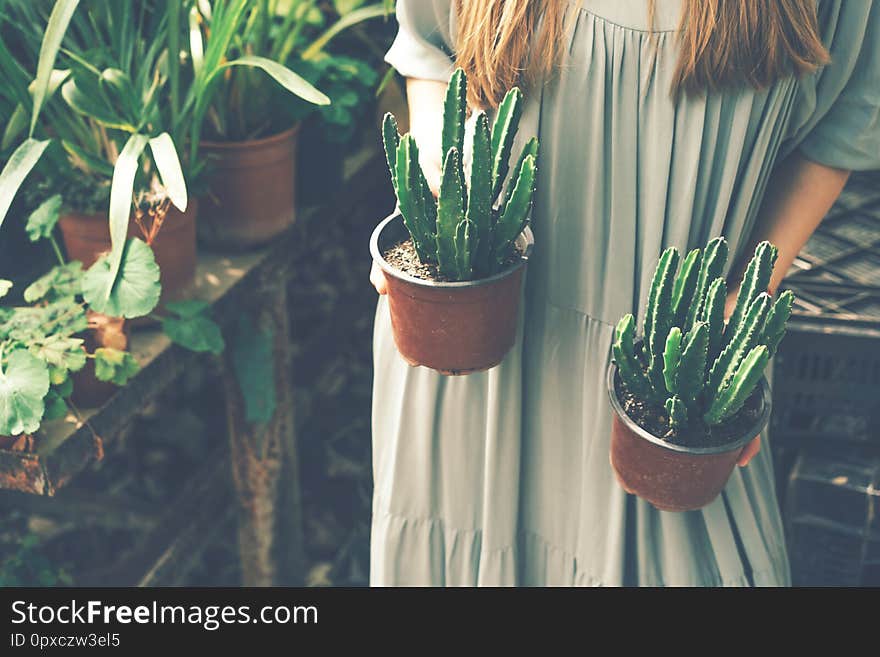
<point x="454" y="328"/>
<point x="87" y="236"/>
<point x="251" y="195"/>
<point x="674" y="477"/>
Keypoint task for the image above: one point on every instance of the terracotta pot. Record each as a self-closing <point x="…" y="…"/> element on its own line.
<point x="87" y="236"/>
<point x="669" y="476"/>
<point x="88" y="390"/>
<point x="21" y="443"/>
<point x="454" y="328"/>
<point x="251" y="190"/>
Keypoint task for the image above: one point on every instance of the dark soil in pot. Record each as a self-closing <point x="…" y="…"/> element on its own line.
<point x="678" y="472"/>
<point x="87" y="236"/>
<point x="251" y="195"/>
<point x="697" y="433"/>
<point x="451" y="327"/>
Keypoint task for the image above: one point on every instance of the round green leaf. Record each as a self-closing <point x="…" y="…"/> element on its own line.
<point x="197" y="333"/>
<point x="115" y="365"/>
<point x="136" y="290"/>
<point x="23" y="384"/>
<point x="41" y="221"/>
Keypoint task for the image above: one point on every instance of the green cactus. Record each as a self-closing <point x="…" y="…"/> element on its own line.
<point x="529" y="150"/>
<point x="410" y="195"/>
<point x="755" y="281"/>
<point x="692" y="366"/>
<point x="744" y="339"/>
<point x="631" y="372"/>
<point x="450" y="214"/>
<point x="685" y="286"/>
<point x="677" y="411"/>
<point x="658" y="315"/>
<point x="503" y="130"/>
<point x="712" y="314"/>
<point x="775" y="327"/>
<point x="516" y="211"/>
<point x="672" y="359"/>
<point x="702" y="373"/>
<point x="391" y="140"/>
<point x="711" y="267"/>
<point x="454" y="114"/>
<point x="463" y="232"/>
<point x="729" y="400"/>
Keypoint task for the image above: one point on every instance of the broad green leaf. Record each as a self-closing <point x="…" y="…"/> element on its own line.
<point x="196" y="44"/>
<point x="115" y="365"/>
<point x="135" y="291"/>
<point x="89" y="103"/>
<point x="24" y="383"/>
<point x="253" y="363"/>
<point x="59" y="19"/>
<point x="350" y="19"/>
<point x="56" y="407"/>
<point x="283" y="76"/>
<point x="61" y="352"/>
<point x="16" y="170"/>
<point x="121" y="191"/>
<point x="168" y="164"/>
<point x="198" y="333"/>
<point x="41" y="221"/>
<point x="60" y="282"/>
<point x="5" y="286"/>
<point x="18" y="122"/>
<point x="116" y="87"/>
<point x="188" y="308"/>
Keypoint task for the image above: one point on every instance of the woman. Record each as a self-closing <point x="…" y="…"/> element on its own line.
<point x="660" y="126"/>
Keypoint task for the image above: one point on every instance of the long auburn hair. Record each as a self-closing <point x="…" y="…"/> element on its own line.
<point x="723" y="43"/>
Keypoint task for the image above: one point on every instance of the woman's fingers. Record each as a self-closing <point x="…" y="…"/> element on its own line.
<point x="377" y="278"/>
<point x="749" y="452"/>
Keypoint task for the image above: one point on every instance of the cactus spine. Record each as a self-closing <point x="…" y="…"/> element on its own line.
<point x="463" y="232"/>
<point x="702" y="372"/>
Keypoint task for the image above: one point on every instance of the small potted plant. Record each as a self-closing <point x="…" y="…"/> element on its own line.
<point x="249" y="121"/>
<point x="455" y="265"/>
<point x="691" y="394"/>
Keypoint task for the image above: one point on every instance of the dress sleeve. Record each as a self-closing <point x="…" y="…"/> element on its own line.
<point x="837" y="113"/>
<point x="423" y="46"/>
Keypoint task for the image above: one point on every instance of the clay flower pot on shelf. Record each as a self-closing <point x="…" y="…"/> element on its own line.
<point x="87" y="236"/>
<point x="675" y="477"/>
<point x="452" y="327"/>
<point x="112" y="332"/>
<point x="251" y="195"/>
<point x="690" y="395"/>
<point x="454" y="266"/>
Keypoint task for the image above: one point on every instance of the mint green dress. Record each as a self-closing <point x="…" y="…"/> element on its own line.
<point x="502" y="477"/>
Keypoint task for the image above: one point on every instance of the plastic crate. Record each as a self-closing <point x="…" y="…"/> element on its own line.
<point x="826" y="375"/>
<point x="832" y="516"/>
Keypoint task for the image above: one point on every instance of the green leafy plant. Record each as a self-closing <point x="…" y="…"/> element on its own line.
<point x="689" y="362"/>
<point x="466" y="233"/>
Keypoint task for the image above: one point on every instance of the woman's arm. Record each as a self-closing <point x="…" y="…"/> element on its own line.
<point x="425" y="99"/>
<point x="799" y="194"/>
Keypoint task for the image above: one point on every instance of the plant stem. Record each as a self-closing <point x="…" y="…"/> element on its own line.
<point x="57" y="250"/>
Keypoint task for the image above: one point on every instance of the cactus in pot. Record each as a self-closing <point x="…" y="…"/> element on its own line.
<point x="470" y="231"/>
<point x="689" y="363"/>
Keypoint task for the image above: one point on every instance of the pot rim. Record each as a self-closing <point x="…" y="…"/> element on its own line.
<point x="251" y="143"/>
<point x="527" y="236"/>
<point x="755" y="430"/>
